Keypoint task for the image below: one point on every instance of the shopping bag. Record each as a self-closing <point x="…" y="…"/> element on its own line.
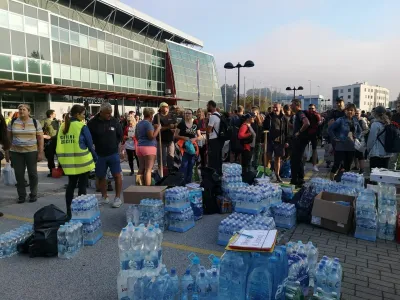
<point x="9" y="175"/>
<point x="57" y="172"/>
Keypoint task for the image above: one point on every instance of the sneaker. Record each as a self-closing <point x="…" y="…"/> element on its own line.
<point x="315" y="168"/>
<point x="32" y="199"/>
<point x="117" y="203"/>
<point x="21" y="200"/>
<point x="103" y="201"/>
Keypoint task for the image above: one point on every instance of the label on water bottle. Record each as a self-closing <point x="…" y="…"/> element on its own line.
<point x="125" y="265"/>
<point x="137" y="264"/>
<point x="189" y="288"/>
<point x="151" y="264"/>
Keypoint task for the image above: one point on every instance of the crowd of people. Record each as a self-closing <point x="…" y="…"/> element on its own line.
<point x="184" y="140"/>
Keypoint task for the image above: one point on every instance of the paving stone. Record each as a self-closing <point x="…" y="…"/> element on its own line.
<point x="391" y="258"/>
<point x="361" y="295"/>
<point x="347" y="291"/>
<point x="349" y="270"/>
<point x="369" y="275"/>
<point x="395" y="267"/>
<point x="378" y="266"/>
<point x="366" y="290"/>
<point x="366" y="243"/>
<point x="357" y="247"/>
<point x="352" y="258"/>
<point x="327" y="248"/>
<point x="349" y="296"/>
<point x="392" y="264"/>
<point x="348" y="285"/>
<point x="391" y="275"/>
<point x="363" y="269"/>
<point x="377" y="250"/>
<point x="355" y="281"/>
<point x="300" y="237"/>
<point x="367" y="255"/>
<point x="336" y="243"/>
<point x="390" y="296"/>
<point x="347" y="251"/>
<point x="382" y="288"/>
<point x="381" y="282"/>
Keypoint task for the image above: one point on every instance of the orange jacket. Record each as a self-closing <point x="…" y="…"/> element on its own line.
<point x="180" y="143"/>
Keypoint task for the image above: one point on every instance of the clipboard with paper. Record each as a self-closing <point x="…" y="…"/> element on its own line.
<point x="253" y="240"/>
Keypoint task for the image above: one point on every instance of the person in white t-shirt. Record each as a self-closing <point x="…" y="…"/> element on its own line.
<point x="129" y="136"/>
<point x="214" y="143"/>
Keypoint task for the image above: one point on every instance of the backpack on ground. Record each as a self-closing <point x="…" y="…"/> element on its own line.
<point x="313" y="118"/>
<point x="225" y="129"/>
<point x="392" y="138"/>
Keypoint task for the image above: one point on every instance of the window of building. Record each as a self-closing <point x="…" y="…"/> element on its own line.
<point x="74" y="37"/>
<point x="33" y="66"/>
<point x="124" y="52"/>
<point x="74" y="27"/>
<point x="16" y="7"/>
<point x="94" y="76"/>
<point x="110" y="79"/>
<point x="109" y="48"/>
<point x="43" y="28"/>
<point x="75" y="57"/>
<point x="19" y="64"/>
<point x="18" y="43"/>
<point x="124" y="81"/>
<point x="93" y="43"/>
<point x="64" y="36"/>
<point x="117" y="79"/>
<point x="85" y="75"/>
<point x="65" y="72"/>
<point x="85" y="62"/>
<point x="100" y="46"/>
<point x="341" y="91"/>
<point x="102" y="78"/>
<point x="83" y="41"/>
<point x="3" y="18"/>
<point x="94" y="61"/>
<point x="56" y="51"/>
<point x="63" y="23"/>
<point x="56" y="70"/>
<point x="5" y="62"/>
<point x="65" y="54"/>
<point x="55" y="35"/>
<point x="16" y="22"/>
<point x="130" y="53"/>
<point x="32" y="46"/>
<point x="31" y="25"/>
<point x="349" y="90"/>
<point x="116" y="50"/>
<point x="136" y="55"/>
<point x="46" y="67"/>
<point x="348" y="96"/>
<point x="102" y="62"/>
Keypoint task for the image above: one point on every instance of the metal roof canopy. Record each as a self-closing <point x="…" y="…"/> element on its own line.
<point x="128" y="17"/>
<point x="22" y="86"/>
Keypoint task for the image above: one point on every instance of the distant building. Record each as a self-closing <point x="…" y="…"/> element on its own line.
<point x="318" y="100"/>
<point x="363" y="95"/>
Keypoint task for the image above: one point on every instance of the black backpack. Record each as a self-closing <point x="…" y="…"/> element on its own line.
<point x="392" y="138"/>
<point x="225" y="129"/>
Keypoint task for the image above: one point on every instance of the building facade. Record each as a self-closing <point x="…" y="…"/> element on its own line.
<point x="363" y="95"/>
<point x="319" y="101"/>
<point x="57" y="53"/>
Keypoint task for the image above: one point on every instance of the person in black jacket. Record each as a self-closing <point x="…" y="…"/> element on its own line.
<point x="277" y="125"/>
<point x="107" y="134"/>
<point x="257" y="126"/>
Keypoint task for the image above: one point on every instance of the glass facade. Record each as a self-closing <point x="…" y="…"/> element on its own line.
<point x="184" y="62"/>
<point x="41" y="46"/>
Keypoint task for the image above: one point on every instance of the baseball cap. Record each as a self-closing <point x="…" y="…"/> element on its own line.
<point x="163" y="104"/>
<point x="380" y="110"/>
<point x="249" y="115"/>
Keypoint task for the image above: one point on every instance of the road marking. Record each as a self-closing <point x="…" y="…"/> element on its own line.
<point x="116" y="235"/>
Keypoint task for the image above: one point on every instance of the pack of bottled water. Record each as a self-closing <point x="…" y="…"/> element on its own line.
<point x="70" y="239"/>
<point x="285" y="215"/>
<point x="271" y="195"/>
<point x="92" y="231"/>
<point x="196" y="199"/>
<point x="328" y="278"/>
<point x="228" y="226"/>
<point x="10" y="240"/>
<point x="176" y="198"/>
<point x="366" y="217"/>
<point x="324" y="185"/>
<point x="133" y="214"/>
<point x="140" y="255"/>
<point x="353" y="179"/>
<point x="230" y="190"/>
<point x="152" y="212"/>
<point x="85" y="207"/>
<point x="387" y="211"/>
<point x="302" y="259"/>
<point x="261" y="222"/>
<point x="181" y="221"/>
<point x="232" y="169"/>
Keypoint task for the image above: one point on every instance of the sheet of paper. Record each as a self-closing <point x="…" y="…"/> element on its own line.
<point x="262" y="239"/>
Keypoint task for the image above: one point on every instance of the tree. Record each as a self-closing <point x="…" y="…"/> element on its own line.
<point x="230" y="96"/>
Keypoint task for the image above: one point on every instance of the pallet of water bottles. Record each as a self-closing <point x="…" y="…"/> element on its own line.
<point x="10" y="240"/>
<point x="85" y="209"/>
<point x="151" y="211"/>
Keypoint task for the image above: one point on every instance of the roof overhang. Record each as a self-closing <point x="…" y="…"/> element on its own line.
<point x="22" y="86"/>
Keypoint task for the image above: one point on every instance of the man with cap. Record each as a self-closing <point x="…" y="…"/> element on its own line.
<point x="168" y="125"/>
<point x="338" y="112"/>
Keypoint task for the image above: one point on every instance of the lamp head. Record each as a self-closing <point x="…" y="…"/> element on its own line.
<point x="248" y="64"/>
<point x="288" y="88"/>
<point x="229" y="65"/>
<point x="300" y="88"/>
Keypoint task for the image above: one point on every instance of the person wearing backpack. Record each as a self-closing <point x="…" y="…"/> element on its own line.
<point x="315" y="119"/>
<point x="378" y="156"/>
<point x="26" y="136"/>
<point x="215" y="142"/>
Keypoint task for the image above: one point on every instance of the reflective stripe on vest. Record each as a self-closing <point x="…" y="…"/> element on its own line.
<point x="72" y="158"/>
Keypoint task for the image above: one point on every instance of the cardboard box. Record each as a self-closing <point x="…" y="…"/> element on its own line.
<point x="327" y="213"/>
<point x="133" y="194"/>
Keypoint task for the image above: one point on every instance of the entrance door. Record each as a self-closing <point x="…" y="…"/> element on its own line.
<point x="94" y="109"/>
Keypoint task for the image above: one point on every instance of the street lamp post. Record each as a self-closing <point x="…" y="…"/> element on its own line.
<point x="247" y="64"/>
<point x="294" y="89"/>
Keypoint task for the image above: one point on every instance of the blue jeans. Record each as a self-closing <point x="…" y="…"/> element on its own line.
<point x="187" y="167"/>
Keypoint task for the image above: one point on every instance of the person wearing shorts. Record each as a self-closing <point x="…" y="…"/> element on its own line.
<point x="107" y="134"/>
<point x="146" y="134"/>
<point x="277" y="125"/>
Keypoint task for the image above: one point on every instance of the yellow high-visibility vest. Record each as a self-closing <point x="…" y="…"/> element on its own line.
<point x="72" y="158"/>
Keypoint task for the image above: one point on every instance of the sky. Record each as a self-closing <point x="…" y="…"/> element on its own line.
<point x="330" y="42"/>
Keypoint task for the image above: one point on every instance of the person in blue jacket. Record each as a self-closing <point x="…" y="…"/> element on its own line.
<point x="343" y="133"/>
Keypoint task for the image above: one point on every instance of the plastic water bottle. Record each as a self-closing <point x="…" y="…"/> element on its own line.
<point x="202" y="286"/>
<point x="151" y="262"/>
<point x="124" y="244"/>
<point x="122" y="285"/>
<point x="194" y="267"/>
<point x="275" y="271"/>
<point x="320" y="277"/>
<point x="175" y="284"/>
<point x="333" y="281"/>
<point x="259" y="280"/>
<point x="159" y="235"/>
<point x="137" y="253"/>
<point x="187" y="285"/>
<point x="60" y="242"/>
<point x="214" y="286"/>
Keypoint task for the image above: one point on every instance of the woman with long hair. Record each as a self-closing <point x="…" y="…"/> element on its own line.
<point x="129" y="138"/>
<point x="378" y="157"/>
<point x="343" y="132"/>
<point x="146" y="135"/>
<point x="75" y="152"/>
<point x="187" y="130"/>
